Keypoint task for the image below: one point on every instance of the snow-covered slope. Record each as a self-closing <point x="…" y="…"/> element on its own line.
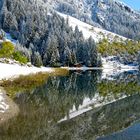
<point x="112" y="15"/>
<point x="89" y="30"/>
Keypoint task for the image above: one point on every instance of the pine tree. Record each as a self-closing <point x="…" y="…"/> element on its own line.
<point x="36" y="59"/>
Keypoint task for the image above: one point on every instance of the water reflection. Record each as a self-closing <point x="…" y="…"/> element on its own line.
<point x="76" y="107"/>
<point x="131" y="133"/>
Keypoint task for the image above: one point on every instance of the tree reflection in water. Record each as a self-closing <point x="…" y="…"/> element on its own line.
<point x="76" y="107"/>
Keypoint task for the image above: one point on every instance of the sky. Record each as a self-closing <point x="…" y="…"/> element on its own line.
<point x="133" y="3"/>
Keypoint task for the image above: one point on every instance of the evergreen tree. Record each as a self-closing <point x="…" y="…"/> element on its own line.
<point x="36" y="59"/>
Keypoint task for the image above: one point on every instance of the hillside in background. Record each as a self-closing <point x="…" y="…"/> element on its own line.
<point x="111" y="15"/>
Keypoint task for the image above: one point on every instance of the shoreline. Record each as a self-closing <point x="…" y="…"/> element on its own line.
<point x="9" y="109"/>
<point x="8" y="71"/>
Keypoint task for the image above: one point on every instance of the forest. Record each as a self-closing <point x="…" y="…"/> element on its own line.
<point x="46" y="39"/>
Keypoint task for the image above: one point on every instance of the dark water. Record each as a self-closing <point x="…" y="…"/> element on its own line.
<point x="80" y="106"/>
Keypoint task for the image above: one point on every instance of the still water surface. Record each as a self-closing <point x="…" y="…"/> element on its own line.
<point x="79" y="106"/>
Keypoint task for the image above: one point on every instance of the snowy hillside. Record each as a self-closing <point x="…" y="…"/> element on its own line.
<point x="112" y="15"/>
<point x="89" y="30"/>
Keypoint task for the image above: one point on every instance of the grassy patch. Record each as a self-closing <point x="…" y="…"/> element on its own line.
<point x="114" y="48"/>
<point x="20" y="57"/>
<point x="24" y="83"/>
<point x="7" y="50"/>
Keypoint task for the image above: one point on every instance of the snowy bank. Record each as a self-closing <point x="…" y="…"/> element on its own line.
<point x="14" y="70"/>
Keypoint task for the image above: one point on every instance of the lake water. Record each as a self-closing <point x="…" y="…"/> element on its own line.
<point x="79" y="106"/>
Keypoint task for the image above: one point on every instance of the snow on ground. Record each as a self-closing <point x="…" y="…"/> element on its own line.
<point x="88" y="30"/>
<point x="3" y="105"/>
<point x="14" y="70"/>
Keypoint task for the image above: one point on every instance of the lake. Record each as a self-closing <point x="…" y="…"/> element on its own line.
<point x="83" y="105"/>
